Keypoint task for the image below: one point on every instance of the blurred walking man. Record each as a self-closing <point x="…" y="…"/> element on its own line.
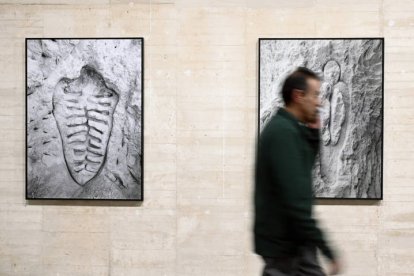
<point x="286" y="235"/>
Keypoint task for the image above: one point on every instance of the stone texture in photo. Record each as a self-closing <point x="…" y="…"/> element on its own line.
<point x="349" y="164"/>
<point x="84" y="109"/>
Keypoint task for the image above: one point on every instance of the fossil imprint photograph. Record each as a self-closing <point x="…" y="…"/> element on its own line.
<point x="84" y="118"/>
<point x="349" y="163"/>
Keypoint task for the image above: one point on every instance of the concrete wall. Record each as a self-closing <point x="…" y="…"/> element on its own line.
<point x="201" y="64"/>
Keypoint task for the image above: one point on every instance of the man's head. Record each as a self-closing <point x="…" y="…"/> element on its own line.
<point x="301" y="94"/>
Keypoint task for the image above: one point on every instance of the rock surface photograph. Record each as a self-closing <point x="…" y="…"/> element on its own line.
<point x="84" y="118"/>
<point x="349" y="163"/>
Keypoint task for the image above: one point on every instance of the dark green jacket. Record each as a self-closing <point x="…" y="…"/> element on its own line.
<point x="283" y="189"/>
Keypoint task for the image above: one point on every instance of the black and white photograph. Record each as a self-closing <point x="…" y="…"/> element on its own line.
<point x="84" y="118"/>
<point x="349" y="164"/>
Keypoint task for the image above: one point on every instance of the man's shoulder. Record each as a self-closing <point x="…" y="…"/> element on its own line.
<point x="279" y="124"/>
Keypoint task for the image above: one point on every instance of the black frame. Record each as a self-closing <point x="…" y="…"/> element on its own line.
<point x="382" y="111"/>
<point x="142" y="120"/>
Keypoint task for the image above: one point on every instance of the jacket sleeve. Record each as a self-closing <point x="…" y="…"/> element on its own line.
<point x="294" y="181"/>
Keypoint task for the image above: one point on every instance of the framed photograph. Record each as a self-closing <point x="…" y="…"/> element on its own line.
<point x="84" y="118"/>
<point x="350" y="161"/>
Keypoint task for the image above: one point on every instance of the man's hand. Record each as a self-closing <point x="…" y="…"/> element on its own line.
<point x="316" y="124"/>
<point x="335" y="267"/>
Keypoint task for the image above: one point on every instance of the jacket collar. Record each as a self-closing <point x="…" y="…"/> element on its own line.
<point x="309" y="133"/>
<point x="286" y="114"/>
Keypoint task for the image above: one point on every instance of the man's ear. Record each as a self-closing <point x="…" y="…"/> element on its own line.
<point x="297" y="95"/>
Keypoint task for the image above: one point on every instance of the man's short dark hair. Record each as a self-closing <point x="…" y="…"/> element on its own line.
<point x="297" y="80"/>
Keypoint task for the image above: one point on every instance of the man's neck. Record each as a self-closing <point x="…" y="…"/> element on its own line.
<point x="295" y="112"/>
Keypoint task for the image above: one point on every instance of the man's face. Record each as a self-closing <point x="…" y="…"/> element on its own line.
<point x="311" y="101"/>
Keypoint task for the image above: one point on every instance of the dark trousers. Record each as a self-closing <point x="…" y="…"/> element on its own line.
<point x="304" y="264"/>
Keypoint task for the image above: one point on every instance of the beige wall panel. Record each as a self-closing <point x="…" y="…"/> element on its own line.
<point x="200" y="104"/>
<point x="54" y="2"/>
<point x="20" y="238"/>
